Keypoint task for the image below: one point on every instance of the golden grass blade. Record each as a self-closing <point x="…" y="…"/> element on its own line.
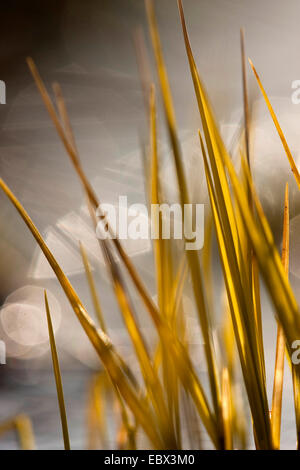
<point x="239" y="426"/>
<point x="157" y="243"/>
<point x="226" y="409"/>
<point x="95" y="416"/>
<point x="250" y="257"/>
<point x="296" y="390"/>
<point x="58" y="381"/>
<point x="279" y="130"/>
<point x="23" y="426"/>
<point x="93" y="290"/>
<point x="245" y="348"/>
<point x="99" y="394"/>
<point x="184" y="198"/>
<point x="206" y="256"/>
<point x="85" y="183"/>
<point x="64" y="116"/>
<point x="167" y="98"/>
<point x="268" y="258"/>
<point x="280" y="344"/>
<point x="51" y="110"/>
<point x="253" y="275"/>
<point x="178" y="286"/>
<point x="98" y="338"/>
<point x="245" y="95"/>
<point x="257" y="312"/>
<point x="129" y="430"/>
<point x="213" y="142"/>
<point x="25" y="431"/>
<point x="163" y="263"/>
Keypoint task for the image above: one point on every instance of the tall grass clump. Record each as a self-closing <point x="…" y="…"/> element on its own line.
<point x="168" y="399"/>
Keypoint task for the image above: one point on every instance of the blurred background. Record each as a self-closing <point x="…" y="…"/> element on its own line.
<point x="88" y="48"/>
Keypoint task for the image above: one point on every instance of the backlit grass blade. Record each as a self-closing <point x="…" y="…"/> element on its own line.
<point x="296" y="390"/>
<point x="164" y="276"/>
<point x="252" y="268"/>
<point x="177" y="289"/>
<point x="226" y="409"/>
<point x="279" y="130"/>
<point x="213" y="142"/>
<point x="96" y="417"/>
<point x="280" y="344"/>
<point x="257" y="312"/>
<point x="184" y="199"/>
<point x="250" y="257"/>
<point x="58" y="381"/>
<point x="64" y="116"/>
<point x="23" y="426"/>
<point x="87" y="187"/>
<point x="206" y="257"/>
<point x="239" y="426"/>
<point x="157" y="243"/>
<point x="129" y="430"/>
<point x="92" y="287"/>
<point x="98" y="404"/>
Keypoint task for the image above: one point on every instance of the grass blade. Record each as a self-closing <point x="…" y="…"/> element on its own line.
<point x="279" y="130"/>
<point x="91" y="282"/>
<point x="58" y="381"/>
<point x="226" y="409"/>
<point x="73" y="154"/>
<point x="23" y="426"/>
<point x="280" y="344"/>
